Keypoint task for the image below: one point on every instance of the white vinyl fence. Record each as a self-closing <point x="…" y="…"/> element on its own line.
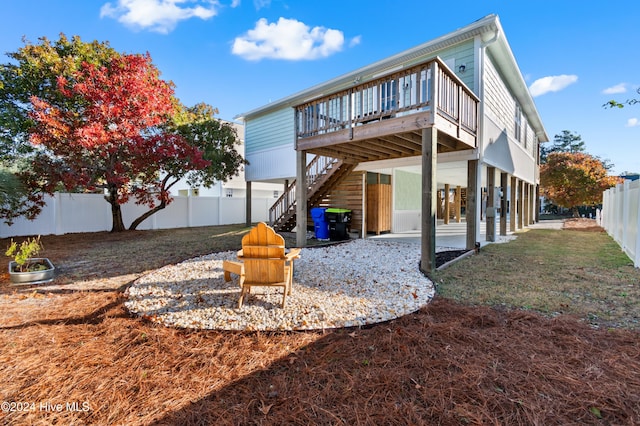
<point x="621" y="217"/>
<point x="69" y="213"/>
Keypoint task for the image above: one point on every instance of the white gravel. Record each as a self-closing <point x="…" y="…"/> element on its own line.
<point x="351" y="284"/>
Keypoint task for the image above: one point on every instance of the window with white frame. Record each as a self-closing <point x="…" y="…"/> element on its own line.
<point x="518" y="123"/>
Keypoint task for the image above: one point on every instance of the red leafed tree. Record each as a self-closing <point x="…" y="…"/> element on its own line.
<point x="574" y="179"/>
<point x="113" y="140"/>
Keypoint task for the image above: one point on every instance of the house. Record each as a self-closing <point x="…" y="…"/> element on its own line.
<point x="440" y="131"/>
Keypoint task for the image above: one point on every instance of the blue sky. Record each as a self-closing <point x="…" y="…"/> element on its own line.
<point x="238" y="55"/>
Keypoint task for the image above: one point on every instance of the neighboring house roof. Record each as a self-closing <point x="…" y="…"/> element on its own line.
<point x="491" y="33"/>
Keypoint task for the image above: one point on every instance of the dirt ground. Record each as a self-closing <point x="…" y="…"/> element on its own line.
<point x="78" y="357"/>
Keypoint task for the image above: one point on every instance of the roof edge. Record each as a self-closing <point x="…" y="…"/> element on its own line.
<point x="486" y="24"/>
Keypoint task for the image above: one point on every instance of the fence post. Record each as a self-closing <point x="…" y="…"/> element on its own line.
<point x="636" y="261"/>
<point x="189" y="210"/>
<point x="57" y="213"/>
<point x="625" y="215"/>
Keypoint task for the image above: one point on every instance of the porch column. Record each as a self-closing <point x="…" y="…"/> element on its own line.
<point x="301" y="198"/>
<point x="526" y="199"/>
<point x="532" y="204"/>
<point x="472" y="213"/>
<point x="520" y="206"/>
<point x="429" y="190"/>
<point x="504" y="178"/>
<point x="458" y="204"/>
<point x="512" y="204"/>
<point x="447" y="207"/>
<point x="537" y="213"/>
<point x="491" y="208"/>
<point x="248" y="204"/>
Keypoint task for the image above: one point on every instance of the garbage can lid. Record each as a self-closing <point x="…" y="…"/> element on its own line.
<point x="334" y="210"/>
<point x="318" y="209"/>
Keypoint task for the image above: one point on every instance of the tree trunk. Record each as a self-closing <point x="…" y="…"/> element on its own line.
<point x="149" y="213"/>
<point x="116" y="211"/>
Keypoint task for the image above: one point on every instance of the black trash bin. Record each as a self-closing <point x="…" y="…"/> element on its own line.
<point x="339" y="223"/>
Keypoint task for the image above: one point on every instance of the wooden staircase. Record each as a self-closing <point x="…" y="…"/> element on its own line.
<point x="323" y="175"/>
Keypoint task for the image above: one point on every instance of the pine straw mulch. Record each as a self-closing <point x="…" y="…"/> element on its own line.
<point x="80" y="358"/>
<point x="446" y="364"/>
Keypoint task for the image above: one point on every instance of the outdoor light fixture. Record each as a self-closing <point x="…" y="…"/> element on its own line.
<point x="462" y="68"/>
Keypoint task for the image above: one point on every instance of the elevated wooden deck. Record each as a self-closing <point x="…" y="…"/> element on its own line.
<point x="383" y="118"/>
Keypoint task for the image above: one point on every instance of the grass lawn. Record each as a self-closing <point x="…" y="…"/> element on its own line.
<point x="540" y="330"/>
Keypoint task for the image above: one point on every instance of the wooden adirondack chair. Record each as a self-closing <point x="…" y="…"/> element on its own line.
<point x="264" y="262"/>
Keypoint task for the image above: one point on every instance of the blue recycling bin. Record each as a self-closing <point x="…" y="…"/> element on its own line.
<point x="320" y="225"/>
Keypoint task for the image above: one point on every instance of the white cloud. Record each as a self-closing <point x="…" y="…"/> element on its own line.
<point x="259" y="4"/>
<point x="633" y="122"/>
<point x="355" y="41"/>
<point x="618" y="88"/>
<point x="157" y="15"/>
<point x="553" y="83"/>
<point x="287" y="39"/>
<point x="235" y="3"/>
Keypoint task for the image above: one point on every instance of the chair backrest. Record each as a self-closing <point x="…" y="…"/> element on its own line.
<point x="263" y="254"/>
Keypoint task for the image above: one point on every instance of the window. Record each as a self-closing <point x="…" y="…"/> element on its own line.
<point x="518" y="123"/>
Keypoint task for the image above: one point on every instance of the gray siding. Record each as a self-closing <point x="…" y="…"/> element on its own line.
<point x="501" y="106"/>
<point x="270" y="131"/>
<point x="462" y="53"/>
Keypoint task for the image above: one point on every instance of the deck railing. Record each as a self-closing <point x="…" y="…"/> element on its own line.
<point x="399" y="93"/>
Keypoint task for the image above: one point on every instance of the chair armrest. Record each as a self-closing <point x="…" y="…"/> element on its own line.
<point x="293" y="254"/>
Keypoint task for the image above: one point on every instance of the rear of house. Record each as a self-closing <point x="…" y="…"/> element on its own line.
<point x="444" y="131"/>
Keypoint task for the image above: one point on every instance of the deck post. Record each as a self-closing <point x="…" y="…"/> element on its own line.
<point x="429" y="193"/>
<point x="491" y="204"/>
<point x="472" y="213"/>
<point x="520" y="204"/>
<point x="458" y="202"/>
<point x="447" y="204"/>
<point x="248" y="204"/>
<point x="537" y="203"/>
<point x="301" y="198"/>
<point x="513" y="204"/>
<point x="504" y="178"/>
<point x="525" y="208"/>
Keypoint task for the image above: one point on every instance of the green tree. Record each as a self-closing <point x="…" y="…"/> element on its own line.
<point x="34" y="70"/>
<point x="112" y="141"/>
<point x="563" y="142"/>
<point x="615" y="104"/>
<point x="215" y="139"/>
<point x="12" y="195"/>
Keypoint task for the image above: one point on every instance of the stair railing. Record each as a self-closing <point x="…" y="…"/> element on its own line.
<point x="317" y="169"/>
